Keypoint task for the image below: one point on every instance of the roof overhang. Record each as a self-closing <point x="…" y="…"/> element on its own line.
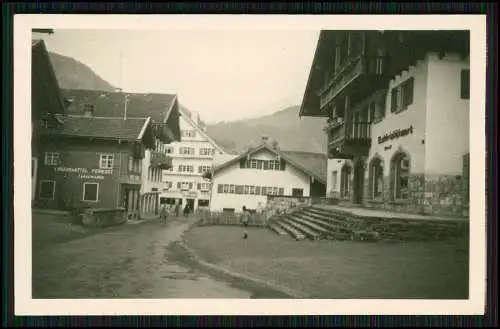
<point x="310" y="100"/>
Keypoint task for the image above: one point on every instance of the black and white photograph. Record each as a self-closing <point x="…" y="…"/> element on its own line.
<point x="278" y="165"/>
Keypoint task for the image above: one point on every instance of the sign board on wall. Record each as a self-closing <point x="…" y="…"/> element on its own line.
<point x="395" y="134"/>
<point x="86" y="173"/>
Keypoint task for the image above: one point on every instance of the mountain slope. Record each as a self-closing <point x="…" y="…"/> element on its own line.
<point x="285" y="126"/>
<point x="72" y="74"/>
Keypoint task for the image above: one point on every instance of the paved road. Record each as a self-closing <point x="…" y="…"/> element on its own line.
<point x="130" y="262"/>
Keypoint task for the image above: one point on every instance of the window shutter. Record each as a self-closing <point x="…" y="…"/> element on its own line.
<point x="239" y="189"/>
<point x="257" y="190"/>
<point x="265" y="164"/>
<point x="179" y="185"/>
<point x="199" y="186"/>
<point x="394" y="100"/>
<point x="219" y="188"/>
<point x="199" y="169"/>
<point x="282" y="164"/>
<point x="263" y="190"/>
<point x="190" y="186"/>
<point x="281" y="191"/>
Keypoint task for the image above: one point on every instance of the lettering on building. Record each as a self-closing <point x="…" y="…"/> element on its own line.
<point x="84" y="170"/>
<point x="91" y="177"/>
<point x="395" y="134"/>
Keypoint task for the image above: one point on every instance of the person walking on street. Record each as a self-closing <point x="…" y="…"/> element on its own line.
<point x="186" y="210"/>
<point x="163" y="214"/>
<point x="177" y="209"/>
<point x="244" y="220"/>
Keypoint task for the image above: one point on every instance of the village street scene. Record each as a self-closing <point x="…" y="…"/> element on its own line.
<point x="328" y="164"/>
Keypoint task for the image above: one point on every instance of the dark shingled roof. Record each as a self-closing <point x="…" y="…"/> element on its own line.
<point x="99" y="127"/>
<point x="112" y="104"/>
<point x="316" y="163"/>
<point x="313" y="164"/>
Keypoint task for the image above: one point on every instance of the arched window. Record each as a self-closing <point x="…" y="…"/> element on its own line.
<point x="400" y="171"/>
<point x="345" y="181"/>
<point x="376" y="178"/>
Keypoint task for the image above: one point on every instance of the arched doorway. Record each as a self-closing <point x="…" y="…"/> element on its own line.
<point x="359" y="178"/>
<point x="345" y="181"/>
<point x="376" y="178"/>
<point x="400" y="172"/>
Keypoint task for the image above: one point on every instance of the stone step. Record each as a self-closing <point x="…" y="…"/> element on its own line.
<point x="277" y="229"/>
<point x="297" y="235"/>
<point x="302" y="228"/>
<point x="327" y="218"/>
<point x="335" y="226"/>
<point x="310" y="223"/>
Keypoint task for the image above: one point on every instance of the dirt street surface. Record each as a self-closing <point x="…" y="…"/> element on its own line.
<point x="129" y="262"/>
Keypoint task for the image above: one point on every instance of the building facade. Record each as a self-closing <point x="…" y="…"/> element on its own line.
<point x="248" y="179"/>
<point x="93" y="162"/>
<point x="193" y="156"/>
<point x="397" y="104"/>
<point x="47" y="104"/>
<point x="163" y="109"/>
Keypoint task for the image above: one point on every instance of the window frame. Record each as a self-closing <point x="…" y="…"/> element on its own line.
<point x="52" y="157"/>
<point x="53" y="189"/>
<point x="97" y="192"/>
<point x="103" y="155"/>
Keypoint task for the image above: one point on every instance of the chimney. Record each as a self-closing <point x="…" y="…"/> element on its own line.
<point x="275" y="145"/>
<point x="265" y="139"/>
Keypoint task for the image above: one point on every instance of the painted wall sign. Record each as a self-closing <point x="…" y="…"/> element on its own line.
<point x="395" y="134"/>
<point x="85" y="170"/>
<point x="91" y="177"/>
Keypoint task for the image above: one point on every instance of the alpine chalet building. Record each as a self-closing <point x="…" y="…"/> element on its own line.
<point x="397" y="110"/>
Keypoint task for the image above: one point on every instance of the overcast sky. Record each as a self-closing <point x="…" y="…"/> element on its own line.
<point x="225" y="75"/>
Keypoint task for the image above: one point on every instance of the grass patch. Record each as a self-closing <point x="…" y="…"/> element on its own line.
<point x="337" y="270"/>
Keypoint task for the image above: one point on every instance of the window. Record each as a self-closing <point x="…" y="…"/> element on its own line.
<point x="186" y="168"/>
<point x="169" y="150"/>
<point x="246" y="189"/>
<point x="184" y="186"/>
<point x="402" y="96"/>
<point x="204" y="186"/>
<point x="400" y="170"/>
<point x="334" y="180"/>
<point x="345" y="180"/>
<point x="253" y="164"/>
<point x="376" y="171"/>
<point x="252" y="190"/>
<point x="465" y="84"/>
<point x="298" y="192"/>
<point x="225" y="188"/>
<point x="186" y="150"/>
<point x="51" y="158"/>
<point x="106" y="161"/>
<point x="232" y="188"/>
<point x="203" y="203"/>
<point x="373" y="112"/>
<point x="90" y="192"/>
<point x="206" y="151"/>
<point x="204" y="169"/>
<point x="189" y="133"/>
<point x="47" y="190"/>
<point x="88" y="108"/>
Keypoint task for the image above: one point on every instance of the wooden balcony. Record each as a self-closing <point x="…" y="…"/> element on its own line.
<point x="347" y="140"/>
<point x="160" y="160"/>
<point x="363" y="73"/>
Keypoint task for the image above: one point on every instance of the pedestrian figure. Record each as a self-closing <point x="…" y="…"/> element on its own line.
<point x="177" y="209"/>
<point x="186" y="210"/>
<point x="163" y="214"/>
<point x="244" y="220"/>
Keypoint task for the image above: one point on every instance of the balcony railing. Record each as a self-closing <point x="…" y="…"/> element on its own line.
<point x="350" y="138"/>
<point x="353" y="69"/>
<point x="160" y="160"/>
<point x="359" y="131"/>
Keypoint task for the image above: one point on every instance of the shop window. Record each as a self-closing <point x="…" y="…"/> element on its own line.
<point x="203" y="203"/>
<point x="90" y="192"/>
<point x="51" y="158"/>
<point x="376" y="178"/>
<point x="345" y="181"/>
<point x="106" y="161"/>
<point x="400" y="169"/>
<point x="297" y="192"/>
<point x="465" y="84"/>
<point x="47" y="190"/>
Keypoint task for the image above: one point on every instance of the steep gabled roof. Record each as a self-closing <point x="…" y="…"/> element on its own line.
<point x="313" y="167"/>
<point x="132" y="129"/>
<point x="45" y="93"/>
<point x="193" y="124"/>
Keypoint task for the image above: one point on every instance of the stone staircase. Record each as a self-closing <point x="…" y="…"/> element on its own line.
<point x="318" y="223"/>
